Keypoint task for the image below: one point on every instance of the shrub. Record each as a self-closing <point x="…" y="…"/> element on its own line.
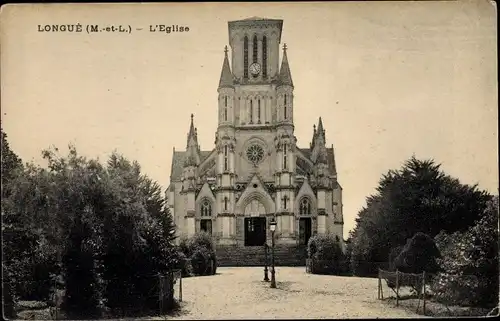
<point x="199" y="250"/>
<point x="470" y="263"/>
<point x="185" y="265"/>
<point x="326" y="255"/>
<point x="418" y="255"/>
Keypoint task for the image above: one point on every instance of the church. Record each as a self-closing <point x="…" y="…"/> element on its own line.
<point x="256" y="171"/>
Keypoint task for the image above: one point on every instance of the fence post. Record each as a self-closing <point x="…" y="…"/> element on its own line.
<point x="180" y="288"/>
<point x="397" y="287"/>
<point x="160" y="293"/>
<point x="423" y="280"/>
<point x="379" y="284"/>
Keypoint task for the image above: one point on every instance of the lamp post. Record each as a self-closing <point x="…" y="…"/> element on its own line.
<point x="266" y="277"/>
<point x="272" y="226"/>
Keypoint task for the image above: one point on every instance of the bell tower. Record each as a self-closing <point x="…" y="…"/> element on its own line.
<point x="255" y="49"/>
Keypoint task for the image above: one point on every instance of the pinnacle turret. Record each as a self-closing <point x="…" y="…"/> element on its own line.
<point x="226" y="76"/>
<point x="285" y="77"/>
<point x="192" y="147"/>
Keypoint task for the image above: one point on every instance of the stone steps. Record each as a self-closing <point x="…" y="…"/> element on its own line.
<point x="285" y="255"/>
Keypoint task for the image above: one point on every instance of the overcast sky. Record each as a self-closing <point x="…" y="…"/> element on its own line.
<point x="389" y="79"/>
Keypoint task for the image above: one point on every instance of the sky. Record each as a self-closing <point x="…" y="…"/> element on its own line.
<point x="389" y="79"/>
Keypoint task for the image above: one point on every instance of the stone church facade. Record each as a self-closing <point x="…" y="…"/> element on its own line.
<point x="256" y="171"/>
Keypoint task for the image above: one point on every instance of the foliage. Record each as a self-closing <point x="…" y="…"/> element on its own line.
<point x="200" y="251"/>
<point x="418" y="255"/>
<point x="470" y="262"/>
<point x="11" y="165"/>
<point x="419" y="197"/>
<point x="103" y="229"/>
<point x="326" y="254"/>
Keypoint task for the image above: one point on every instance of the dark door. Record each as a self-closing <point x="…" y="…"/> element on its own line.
<point x="206" y="226"/>
<point x="255" y="231"/>
<point x="305" y="230"/>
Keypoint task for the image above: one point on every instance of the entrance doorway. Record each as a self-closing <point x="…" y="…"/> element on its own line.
<point x="255" y="231"/>
<point x="206" y="226"/>
<point x="305" y="230"/>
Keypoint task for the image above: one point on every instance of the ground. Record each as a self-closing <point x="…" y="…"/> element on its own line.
<point x="240" y="293"/>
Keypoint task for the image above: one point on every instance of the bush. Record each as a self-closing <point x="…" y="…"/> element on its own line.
<point x="199" y="251"/>
<point x="185" y="265"/>
<point x="326" y="255"/>
<point x="470" y="263"/>
<point x="418" y="255"/>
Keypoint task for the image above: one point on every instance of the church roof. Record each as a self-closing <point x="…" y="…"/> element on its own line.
<point x="179" y="157"/>
<point x="178" y="163"/>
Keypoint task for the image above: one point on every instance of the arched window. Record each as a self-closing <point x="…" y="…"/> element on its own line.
<point x="225" y="108"/>
<point x="255" y="49"/>
<point x="264" y="57"/>
<point x="284" y="108"/>
<point x="305" y="207"/>
<point x="258" y="111"/>
<point x="226" y="202"/>
<point x="251" y="111"/>
<point x="285" y="166"/>
<point x="245" y="57"/>
<point x="226" y="163"/>
<point x="206" y="208"/>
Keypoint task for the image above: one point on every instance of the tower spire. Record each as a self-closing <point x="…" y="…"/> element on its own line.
<point x="192" y="130"/>
<point x="192" y="148"/>
<point x="285" y="77"/>
<point x="321" y="131"/>
<point x="226" y="76"/>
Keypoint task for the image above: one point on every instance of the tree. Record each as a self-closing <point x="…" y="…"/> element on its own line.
<point x="419" y="197"/>
<point x="138" y="237"/>
<point x="11" y="166"/>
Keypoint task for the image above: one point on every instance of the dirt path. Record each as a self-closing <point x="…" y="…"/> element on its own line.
<point x="240" y="293"/>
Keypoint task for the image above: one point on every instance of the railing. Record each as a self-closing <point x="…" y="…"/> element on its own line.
<point x="395" y="280"/>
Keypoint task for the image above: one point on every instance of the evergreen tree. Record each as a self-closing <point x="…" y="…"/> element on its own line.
<point x="417" y="198"/>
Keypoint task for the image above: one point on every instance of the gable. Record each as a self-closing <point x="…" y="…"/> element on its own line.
<point x="305" y="190"/>
<point x="205" y="192"/>
<point x="255" y="190"/>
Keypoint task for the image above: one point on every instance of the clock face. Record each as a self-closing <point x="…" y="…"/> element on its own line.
<point x="255" y="68"/>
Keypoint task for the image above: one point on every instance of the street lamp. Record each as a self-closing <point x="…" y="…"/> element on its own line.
<point x="272" y="226"/>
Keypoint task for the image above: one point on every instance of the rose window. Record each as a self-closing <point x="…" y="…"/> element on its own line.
<point x="255" y="153"/>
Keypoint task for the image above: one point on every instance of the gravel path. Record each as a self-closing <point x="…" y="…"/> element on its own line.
<point x="240" y="293"/>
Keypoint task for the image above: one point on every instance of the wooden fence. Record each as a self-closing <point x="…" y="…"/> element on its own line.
<point x="395" y="280"/>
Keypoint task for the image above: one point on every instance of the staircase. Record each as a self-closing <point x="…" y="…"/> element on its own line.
<point x="284" y="255"/>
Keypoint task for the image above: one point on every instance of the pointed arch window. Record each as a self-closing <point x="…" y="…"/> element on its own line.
<point x="255" y="49"/>
<point x="245" y="57"/>
<point x="251" y="111"/>
<point x="284" y="107"/>
<point x="305" y="206"/>
<point x="225" y="108"/>
<point x="258" y="111"/>
<point x="226" y="161"/>
<point x="285" y="166"/>
<point x="206" y="208"/>
<point x="264" y="57"/>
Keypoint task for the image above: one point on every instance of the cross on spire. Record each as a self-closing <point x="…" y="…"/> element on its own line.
<point x="225" y="49"/>
<point x="284" y="47"/>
